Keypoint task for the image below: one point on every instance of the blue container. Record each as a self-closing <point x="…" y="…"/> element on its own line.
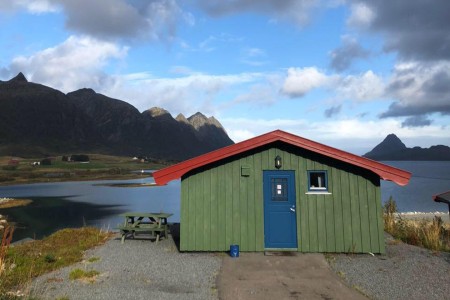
<point x="234" y="250"/>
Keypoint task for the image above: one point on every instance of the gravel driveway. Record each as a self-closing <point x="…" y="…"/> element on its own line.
<point x="140" y="269"/>
<point x="137" y="269"/>
<point x="405" y="272"/>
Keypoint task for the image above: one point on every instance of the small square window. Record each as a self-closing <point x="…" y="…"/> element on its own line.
<point x="317" y="181"/>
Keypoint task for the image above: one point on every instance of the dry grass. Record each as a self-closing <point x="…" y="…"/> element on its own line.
<point x="434" y="234"/>
<point x="79" y="274"/>
<point x="6" y="234"/>
<point x="14" y="203"/>
<point x="65" y="247"/>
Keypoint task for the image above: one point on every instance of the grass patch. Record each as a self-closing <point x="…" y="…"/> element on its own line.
<point x="63" y="248"/>
<point x="14" y="202"/>
<point x="93" y="259"/>
<point x="82" y="274"/>
<point x="433" y="235"/>
<point x="100" y="167"/>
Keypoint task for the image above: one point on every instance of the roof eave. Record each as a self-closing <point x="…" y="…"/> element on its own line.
<point x="385" y="172"/>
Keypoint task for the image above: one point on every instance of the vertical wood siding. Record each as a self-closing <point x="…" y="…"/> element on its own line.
<point x="219" y="207"/>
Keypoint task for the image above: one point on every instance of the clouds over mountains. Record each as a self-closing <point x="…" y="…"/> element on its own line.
<point x="418" y="32"/>
<point x="102" y="34"/>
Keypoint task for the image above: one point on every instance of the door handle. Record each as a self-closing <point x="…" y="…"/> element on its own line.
<point x="292" y="209"/>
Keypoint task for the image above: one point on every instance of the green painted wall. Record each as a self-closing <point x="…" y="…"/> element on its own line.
<point x="219" y="207"/>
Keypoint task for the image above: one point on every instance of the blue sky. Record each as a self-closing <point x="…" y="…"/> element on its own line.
<point x="342" y="72"/>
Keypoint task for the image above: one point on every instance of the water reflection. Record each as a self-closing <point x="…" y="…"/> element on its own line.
<point x="45" y="215"/>
<point x="93" y="203"/>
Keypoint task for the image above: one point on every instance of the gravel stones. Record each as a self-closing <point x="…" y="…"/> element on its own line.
<point x="405" y="272"/>
<point x="137" y="269"/>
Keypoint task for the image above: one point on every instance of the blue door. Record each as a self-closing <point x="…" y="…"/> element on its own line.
<point x="280" y="225"/>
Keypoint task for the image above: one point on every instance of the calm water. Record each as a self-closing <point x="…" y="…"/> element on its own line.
<point x="428" y="178"/>
<point x="74" y="204"/>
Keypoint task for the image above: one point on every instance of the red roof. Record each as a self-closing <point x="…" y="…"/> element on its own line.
<point x="444" y="197"/>
<point x="384" y="171"/>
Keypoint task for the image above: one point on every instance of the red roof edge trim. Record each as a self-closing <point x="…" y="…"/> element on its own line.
<point x="442" y="197"/>
<point x="385" y="172"/>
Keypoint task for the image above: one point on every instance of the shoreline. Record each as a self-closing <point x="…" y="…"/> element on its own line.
<point x="76" y="179"/>
<point x="13" y="202"/>
<point x="418" y="216"/>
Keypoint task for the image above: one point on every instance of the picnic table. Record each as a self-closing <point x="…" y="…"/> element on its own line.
<point x="142" y="222"/>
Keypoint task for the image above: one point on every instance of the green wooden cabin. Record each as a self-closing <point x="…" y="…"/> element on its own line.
<point x="279" y="191"/>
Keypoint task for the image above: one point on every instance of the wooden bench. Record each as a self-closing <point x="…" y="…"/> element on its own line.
<point x="142" y="228"/>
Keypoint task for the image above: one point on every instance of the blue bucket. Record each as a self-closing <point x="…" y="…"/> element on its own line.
<point x="234" y="250"/>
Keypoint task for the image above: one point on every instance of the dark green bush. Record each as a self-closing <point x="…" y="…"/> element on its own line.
<point x="9" y="167"/>
<point x="46" y="162"/>
<point x="80" y="157"/>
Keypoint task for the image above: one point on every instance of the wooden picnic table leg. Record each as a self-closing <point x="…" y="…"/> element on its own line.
<point x="158" y="221"/>
<point x="123" y="237"/>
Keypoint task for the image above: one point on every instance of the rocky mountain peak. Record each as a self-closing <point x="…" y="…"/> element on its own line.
<point x="393" y="140"/>
<point x="197" y="120"/>
<point x="215" y="122"/>
<point x="392" y="148"/>
<point x="157" y="111"/>
<point x="83" y="92"/>
<point x="36" y="120"/>
<point x="389" y="145"/>
<point x="182" y="118"/>
<point x="19" y="78"/>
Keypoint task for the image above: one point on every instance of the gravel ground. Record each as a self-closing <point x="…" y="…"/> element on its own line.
<point x="138" y="269"/>
<point x="405" y="272"/>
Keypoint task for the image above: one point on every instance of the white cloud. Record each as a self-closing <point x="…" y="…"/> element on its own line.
<point x="32" y="6"/>
<point x="419" y="88"/>
<point x="188" y="94"/>
<point x="352" y="135"/>
<point x="300" y="81"/>
<point x="296" y="11"/>
<point x="75" y="63"/>
<point x="361" y="15"/>
<point x="367" y="86"/>
<point x="254" y="57"/>
<point x="363" y="87"/>
<point x="238" y="135"/>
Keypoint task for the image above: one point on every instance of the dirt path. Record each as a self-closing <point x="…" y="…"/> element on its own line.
<point x="302" y="276"/>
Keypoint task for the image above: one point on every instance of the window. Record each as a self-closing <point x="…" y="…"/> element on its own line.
<point x="317" y="181"/>
<point x="279" y="189"/>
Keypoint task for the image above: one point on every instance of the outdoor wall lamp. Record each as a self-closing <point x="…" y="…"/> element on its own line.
<point x="277" y="162"/>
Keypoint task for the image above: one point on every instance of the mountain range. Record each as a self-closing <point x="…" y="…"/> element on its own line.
<point x="392" y="148"/>
<point x="39" y="120"/>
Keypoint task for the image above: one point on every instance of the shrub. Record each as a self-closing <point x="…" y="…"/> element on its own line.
<point x="10" y="167"/>
<point x="80" y="157"/>
<point x="432" y="234"/>
<point x="389" y="209"/>
<point x="6" y="234"/>
<point x="6" y="178"/>
<point x="46" y="162"/>
<point x="429" y="234"/>
<point x="50" y="258"/>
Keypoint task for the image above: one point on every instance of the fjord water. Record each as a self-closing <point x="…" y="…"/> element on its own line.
<point x="428" y="178"/>
<point x="96" y="203"/>
<point x="93" y="203"/>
